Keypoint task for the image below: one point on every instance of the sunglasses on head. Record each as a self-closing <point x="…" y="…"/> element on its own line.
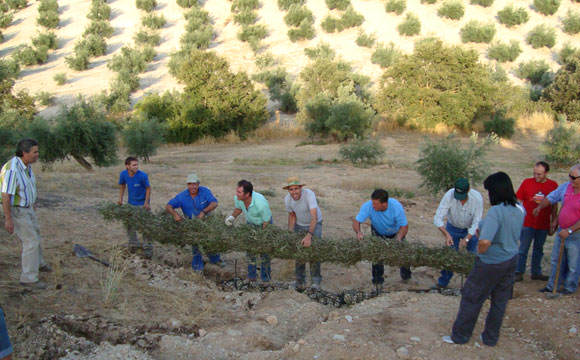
<point x="573" y="177"/>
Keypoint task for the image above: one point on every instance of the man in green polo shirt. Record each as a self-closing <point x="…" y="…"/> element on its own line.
<point x="257" y="211"/>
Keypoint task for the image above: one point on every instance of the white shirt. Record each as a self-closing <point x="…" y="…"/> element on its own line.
<point x="462" y="216"/>
<point x="18" y="180"/>
<point x="302" y="207"/>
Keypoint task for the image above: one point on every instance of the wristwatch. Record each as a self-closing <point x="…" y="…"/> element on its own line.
<point x="570" y="231"/>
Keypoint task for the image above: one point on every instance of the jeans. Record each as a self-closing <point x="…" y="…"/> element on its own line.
<point x="300" y="269"/>
<point x="265" y="268"/>
<point x="539" y="238"/>
<point x="378" y="269"/>
<point x="197" y="263"/>
<point x="484" y="280"/>
<point x="5" y="345"/>
<point x="570" y="267"/>
<point x="456" y="234"/>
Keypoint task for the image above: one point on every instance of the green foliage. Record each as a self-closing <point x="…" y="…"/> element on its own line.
<point x="17" y="4"/>
<point x="297" y="14"/>
<point x="99" y="10"/>
<point x="337" y="4"/>
<point x="79" y="61"/>
<point x="477" y="32"/>
<point x="44" y="98"/>
<point x="187" y="3"/>
<point x="215" y="100"/>
<point x="562" y="144"/>
<point x="101" y="28"/>
<point x="241" y="5"/>
<point x="9" y="70"/>
<point x="129" y="60"/>
<point x="349" y="18"/>
<point x="6" y="20"/>
<point x="542" y="35"/>
<point x="304" y="32"/>
<point x="48" y="19"/>
<point x="253" y="33"/>
<point x="245" y="17"/>
<point x="442" y="162"/>
<point x="533" y="70"/>
<point x="428" y="1"/>
<point x="60" y="78"/>
<point x="437" y="84"/>
<point x="93" y="45"/>
<point x="385" y="56"/>
<point x="510" y="16"/>
<point x="28" y="55"/>
<point x="280" y="87"/>
<point x="547" y="7"/>
<point x="366" y="40"/>
<point x="330" y="24"/>
<point x="500" y="125"/>
<point x="142" y="137"/>
<point x="410" y="26"/>
<point x="396" y="6"/>
<point x="484" y="3"/>
<point x="153" y="22"/>
<point x="285" y="4"/>
<point x="362" y="152"/>
<point x="321" y="51"/>
<point x="503" y="52"/>
<point x="571" y="23"/>
<point x="566" y="53"/>
<point x="48" y="5"/>
<point x="48" y="40"/>
<point x="265" y="60"/>
<point x="199" y="31"/>
<point x="144" y="37"/>
<point x="563" y="93"/>
<point x="451" y="9"/>
<point x="158" y="107"/>
<point x="146" y="5"/>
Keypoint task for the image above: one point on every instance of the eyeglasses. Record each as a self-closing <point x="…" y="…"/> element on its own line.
<point x="573" y="177"/>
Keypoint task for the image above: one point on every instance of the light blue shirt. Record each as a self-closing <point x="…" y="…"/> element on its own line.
<point x="502" y="226"/>
<point x="259" y="210"/>
<point x="386" y="223"/>
<point x="558" y="194"/>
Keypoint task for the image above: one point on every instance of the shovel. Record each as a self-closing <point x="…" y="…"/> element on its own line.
<point x="553" y="294"/>
<point x="82" y="252"/>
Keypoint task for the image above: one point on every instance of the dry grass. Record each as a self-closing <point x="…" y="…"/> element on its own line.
<point x="537" y="124"/>
<point x="112" y="276"/>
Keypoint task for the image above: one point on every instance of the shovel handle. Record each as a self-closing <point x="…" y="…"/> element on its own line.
<point x="560" y="253"/>
<point x="99" y="260"/>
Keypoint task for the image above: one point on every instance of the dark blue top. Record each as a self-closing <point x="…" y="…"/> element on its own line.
<point x="136" y="186"/>
<point x="192" y="206"/>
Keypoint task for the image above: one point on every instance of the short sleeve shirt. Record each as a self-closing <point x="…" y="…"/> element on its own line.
<point x="386" y="223"/>
<point x="531" y="193"/>
<point x="302" y="207"/>
<point x="259" y="210"/>
<point x="136" y="186"/>
<point x="192" y="206"/>
<point x="502" y="226"/>
<point x="570" y="212"/>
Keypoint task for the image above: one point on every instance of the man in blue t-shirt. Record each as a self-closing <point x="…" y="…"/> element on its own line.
<point x="139" y="191"/>
<point x="388" y="220"/>
<point x="195" y="201"/>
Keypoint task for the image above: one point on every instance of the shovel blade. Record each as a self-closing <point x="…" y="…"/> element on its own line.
<point x="81" y="251"/>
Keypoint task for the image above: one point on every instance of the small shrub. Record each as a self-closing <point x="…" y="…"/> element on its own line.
<point x="245" y="17"/>
<point x="503" y="52"/>
<point x="153" y="22"/>
<point x="101" y="28"/>
<point x="451" y="9"/>
<point x="477" y="32"/>
<point x="240" y="5"/>
<point x="146" y="5"/>
<point x="499" y="124"/>
<point x="265" y="61"/>
<point x="542" y="35"/>
<point x="93" y="45"/>
<point x="44" y="98"/>
<point x="198" y="39"/>
<point x="337" y="4"/>
<point x="142" y="137"/>
<point x="148" y="53"/>
<point x="330" y="24"/>
<point x="547" y="7"/>
<point x="48" y="5"/>
<point x="253" y="32"/>
<point x="321" y="51"/>
<point x="304" y="32"/>
<point x="563" y="94"/>
<point x="567" y="52"/>
<point x="351" y="18"/>
<point x="285" y="4"/>
<point x="396" y="6"/>
<point x="428" y="2"/>
<point x="28" y="55"/>
<point x="362" y="152"/>
<point x="484" y="3"/>
<point x="147" y="38"/>
<point x="187" y="3"/>
<point x="562" y="144"/>
<point x="130" y="60"/>
<point x="296" y="14"/>
<point x="48" y="39"/>
<point x="17" y="4"/>
<point x="441" y="163"/>
<point x="48" y="19"/>
<point x="79" y="61"/>
<point x="60" y="78"/>
<point x="385" y="56"/>
<point x="6" y="20"/>
<point x="533" y="70"/>
<point x="365" y="40"/>
<point x="571" y="23"/>
<point x="510" y="16"/>
<point x="99" y="10"/>
<point x="410" y="26"/>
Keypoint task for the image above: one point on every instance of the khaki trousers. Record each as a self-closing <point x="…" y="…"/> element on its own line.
<point x="27" y="229"/>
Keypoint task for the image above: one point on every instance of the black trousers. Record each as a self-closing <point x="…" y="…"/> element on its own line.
<point x="484" y="280"/>
<point x="378" y="269"/>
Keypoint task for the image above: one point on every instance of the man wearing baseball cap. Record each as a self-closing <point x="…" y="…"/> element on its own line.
<point x="195" y="201"/>
<point x="463" y="208"/>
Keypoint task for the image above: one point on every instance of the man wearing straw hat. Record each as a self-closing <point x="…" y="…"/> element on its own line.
<point x="304" y="216"/>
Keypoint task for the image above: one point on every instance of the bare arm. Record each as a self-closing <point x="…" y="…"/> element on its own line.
<point x="236" y="212"/>
<point x="563" y="234"/>
<point x="211" y="207"/>
<point x="483" y="245"/>
<point x="307" y="241"/>
<point x="541" y="205"/>
<point x="173" y="213"/>
<point x="291" y="220"/>
<point x="357" y="230"/>
<point x="147" y="197"/>
<point x="403" y="230"/>
<point x="448" y="238"/>
<point x="121" y="193"/>
<point x="8" y="223"/>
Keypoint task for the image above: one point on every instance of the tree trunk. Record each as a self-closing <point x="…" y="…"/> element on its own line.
<point x="84" y="163"/>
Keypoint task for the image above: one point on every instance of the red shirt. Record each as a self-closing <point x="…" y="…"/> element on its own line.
<point x="531" y="193"/>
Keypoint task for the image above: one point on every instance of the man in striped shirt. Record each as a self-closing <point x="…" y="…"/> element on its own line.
<point x="18" y="189"/>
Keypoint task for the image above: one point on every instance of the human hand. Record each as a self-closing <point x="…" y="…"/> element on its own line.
<point x="177" y="218"/>
<point x="463" y="243"/>
<point x="120" y="202"/>
<point x="230" y="220"/>
<point x="147" y="206"/>
<point x="448" y="240"/>
<point x="536" y="211"/>
<point x="201" y="215"/>
<point x="563" y="234"/>
<point x="360" y="235"/>
<point x="307" y="241"/>
<point x="9" y="225"/>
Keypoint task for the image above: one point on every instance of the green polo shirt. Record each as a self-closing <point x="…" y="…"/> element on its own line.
<point x="259" y="210"/>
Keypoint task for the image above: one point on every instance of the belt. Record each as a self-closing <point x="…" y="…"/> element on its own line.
<point x="24" y="207"/>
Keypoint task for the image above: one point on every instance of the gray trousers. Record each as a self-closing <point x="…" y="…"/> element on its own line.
<point x="135" y="244"/>
<point x="300" y="268"/>
<point x="27" y="229"/>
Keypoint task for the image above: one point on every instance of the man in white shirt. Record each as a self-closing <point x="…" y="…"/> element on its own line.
<point x="304" y="216"/>
<point x="463" y="208"/>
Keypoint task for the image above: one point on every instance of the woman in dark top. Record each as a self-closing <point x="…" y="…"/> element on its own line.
<point x="493" y="272"/>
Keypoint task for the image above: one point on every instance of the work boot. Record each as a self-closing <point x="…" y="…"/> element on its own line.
<point x="545" y="290"/>
<point x="520" y="277"/>
<point x="40" y="285"/>
<point x="540" y="277"/>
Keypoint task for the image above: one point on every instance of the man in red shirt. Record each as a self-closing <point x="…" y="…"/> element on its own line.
<point x="531" y="192"/>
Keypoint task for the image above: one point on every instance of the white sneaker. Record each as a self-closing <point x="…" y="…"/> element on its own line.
<point x="447" y="339"/>
<point x="315" y="286"/>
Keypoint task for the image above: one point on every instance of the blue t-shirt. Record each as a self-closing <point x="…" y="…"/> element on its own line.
<point x="192" y="206"/>
<point x="136" y="186"/>
<point x="502" y="226"/>
<point x="386" y="223"/>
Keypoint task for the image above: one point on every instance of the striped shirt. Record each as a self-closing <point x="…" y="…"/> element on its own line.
<point x="18" y="180"/>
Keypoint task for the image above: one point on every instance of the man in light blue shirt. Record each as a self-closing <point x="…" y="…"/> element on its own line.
<point x="388" y="220"/>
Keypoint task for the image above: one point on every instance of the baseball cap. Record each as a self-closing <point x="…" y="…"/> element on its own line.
<point x="192" y="178"/>
<point x="461" y="189"/>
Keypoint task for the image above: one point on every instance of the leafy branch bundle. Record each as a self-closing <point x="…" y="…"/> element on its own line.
<point x="213" y="236"/>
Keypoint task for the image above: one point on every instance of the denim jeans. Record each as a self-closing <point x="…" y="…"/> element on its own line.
<point x="570" y="267"/>
<point x="5" y="345"/>
<point x="197" y="263"/>
<point x="265" y="268"/>
<point x="456" y="234"/>
<point x="484" y="280"/>
<point x="300" y="268"/>
<point x="539" y="238"/>
<point x="378" y="269"/>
